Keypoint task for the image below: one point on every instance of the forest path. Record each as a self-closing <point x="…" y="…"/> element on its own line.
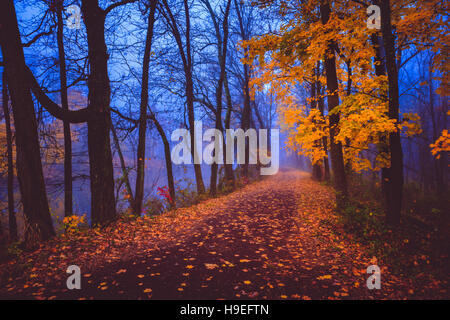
<point x="273" y="239"/>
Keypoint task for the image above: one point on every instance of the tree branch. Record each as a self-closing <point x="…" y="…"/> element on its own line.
<point x="117" y="4"/>
<point x="54" y="109"/>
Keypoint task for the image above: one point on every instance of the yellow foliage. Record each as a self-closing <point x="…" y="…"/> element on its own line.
<point x="442" y="144"/>
<point x="72" y="223"/>
<point x="304" y="131"/>
<point x="288" y="57"/>
<point x="411" y="124"/>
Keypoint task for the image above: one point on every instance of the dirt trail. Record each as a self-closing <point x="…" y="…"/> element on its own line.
<point x="273" y="239"/>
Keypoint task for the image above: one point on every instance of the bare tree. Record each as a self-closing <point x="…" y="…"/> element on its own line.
<point x="185" y="52"/>
<point x="222" y="44"/>
<point x="143" y="110"/>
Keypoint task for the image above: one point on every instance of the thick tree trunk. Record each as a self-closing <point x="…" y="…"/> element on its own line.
<point x="140" y="177"/>
<point x="395" y="173"/>
<point x="68" y="203"/>
<point x="337" y="160"/>
<point x="11" y="214"/>
<point x="380" y="70"/>
<point x="99" y="124"/>
<point x="29" y="166"/>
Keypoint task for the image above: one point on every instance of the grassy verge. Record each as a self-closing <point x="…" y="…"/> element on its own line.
<point x="418" y="247"/>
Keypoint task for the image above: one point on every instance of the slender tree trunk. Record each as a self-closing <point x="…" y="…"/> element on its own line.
<point x="316" y="168"/>
<point x="439" y="175"/>
<point x="68" y="203"/>
<point x="246" y="118"/>
<point x="11" y="214"/>
<point x="348" y="164"/>
<point x="170" y="180"/>
<point x="123" y="165"/>
<point x="140" y="177"/>
<point x="186" y="58"/>
<point x="326" y="165"/>
<point x="99" y="124"/>
<point x="246" y="112"/>
<point x="337" y="160"/>
<point x="395" y="173"/>
<point x="190" y="101"/>
<point x="229" y="175"/>
<point x="29" y="165"/>
<point x="222" y="56"/>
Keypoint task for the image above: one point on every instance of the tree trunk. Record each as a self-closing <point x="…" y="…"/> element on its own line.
<point x="326" y="165"/>
<point x="99" y="124"/>
<point x="316" y="169"/>
<point x="29" y="166"/>
<point x="170" y="181"/>
<point x="438" y="173"/>
<point x="246" y="112"/>
<point x="140" y="177"/>
<point x="380" y="70"/>
<point x="11" y="214"/>
<point x="186" y="58"/>
<point x="229" y="175"/>
<point x="68" y="203"/>
<point x="190" y="101"/>
<point x="337" y="160"/>
<point x="222" y="56"/>
<point x="394" y="191"/>
<point x="124" y="167"/>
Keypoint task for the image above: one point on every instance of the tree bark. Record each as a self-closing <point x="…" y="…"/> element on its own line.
<point x="99" y="124"/>
<point x="337" y="160"/>
<point x="68" y="203"/>
<point x="29" y="165"/>
<point x="380" y="70"/>
<point x="394" y="192"/>
<point x="11" y="214"/>
<point x="140" y="176"/>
